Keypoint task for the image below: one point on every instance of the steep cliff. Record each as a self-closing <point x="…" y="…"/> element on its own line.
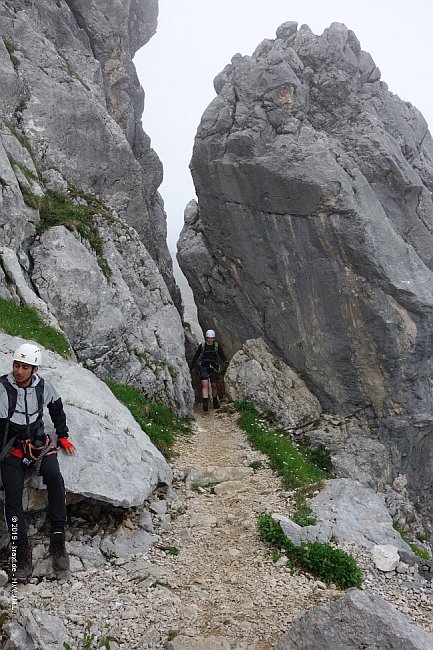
<point x="79" y="205"/>
<point x="314" y="230"/>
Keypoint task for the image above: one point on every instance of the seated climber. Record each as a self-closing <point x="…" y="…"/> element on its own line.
<point x="210" y="354"/>
<point x="25" y="445"/>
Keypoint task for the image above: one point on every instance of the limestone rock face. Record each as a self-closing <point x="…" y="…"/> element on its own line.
<point x="70" y="128"/>
<point x="256" y="375"/>
<point x="313" y="231"/>
<point x="359" y="617"/>
<point x="115" y="460"/>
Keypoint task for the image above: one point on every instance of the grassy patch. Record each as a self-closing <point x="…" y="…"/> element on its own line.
<point x="322" y="560"/>
<point x="57" y="209"/>
<point x="22" y="139"/>
<point x="158" y="421"/>
<point x="416" y="550"/>
<point x="26" y="322"/>
<point x="291" y="463"/>
<point x="25" y="170"/>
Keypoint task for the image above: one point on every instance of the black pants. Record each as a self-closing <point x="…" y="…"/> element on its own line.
<point x="13" y="472"/>
<point x="207" y="370"/>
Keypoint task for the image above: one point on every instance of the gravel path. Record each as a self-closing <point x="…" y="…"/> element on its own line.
<point x="210" y="583"/>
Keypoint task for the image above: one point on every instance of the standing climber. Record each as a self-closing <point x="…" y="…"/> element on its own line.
<point x="25" y="445"/>
<point x="210" y="353"/>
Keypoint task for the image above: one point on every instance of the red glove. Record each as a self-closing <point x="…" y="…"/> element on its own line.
<point x="66" y="445"/>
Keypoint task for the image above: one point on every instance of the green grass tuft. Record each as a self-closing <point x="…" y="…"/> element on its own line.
<point x="287" y="460"/>
<point x="322" y="560"/>
<point x="27" y="323"/>
<point x="416" y="550"/>
<point x="57" y="209"/>
<point x="157" y="421"/>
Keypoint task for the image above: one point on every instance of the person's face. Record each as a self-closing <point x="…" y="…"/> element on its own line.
<point x="23" y="373"/>
<point x="210" y="340"/>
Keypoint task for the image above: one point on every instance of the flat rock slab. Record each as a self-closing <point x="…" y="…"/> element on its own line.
<point x="360" y="619"/>
<point x="356" y="514"/>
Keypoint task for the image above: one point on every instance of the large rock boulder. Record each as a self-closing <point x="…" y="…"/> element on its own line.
<point x="356" y="514"/>
<point x="109" y="288"/>
<point x="258" y="376"/>
<point x="360" y="619"/>
<point x="115" y="460"/>
<point x="313" y="231"/>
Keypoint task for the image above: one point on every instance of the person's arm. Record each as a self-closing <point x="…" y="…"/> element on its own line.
<point x="58" y="417"/>
<point x="221" y="354"/>
<point x="196" y="356"/>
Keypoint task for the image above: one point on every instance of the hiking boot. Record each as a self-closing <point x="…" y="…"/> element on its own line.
<point x="216" y="403"/>
<point x="24" y="563"/>
<point x="205" y="404"/>
<point x="58" y="551"/>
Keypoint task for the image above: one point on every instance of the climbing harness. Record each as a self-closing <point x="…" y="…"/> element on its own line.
<point x="34" y="446"/>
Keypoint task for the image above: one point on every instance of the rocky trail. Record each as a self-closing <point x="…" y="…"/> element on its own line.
<point x="210" y="582"/>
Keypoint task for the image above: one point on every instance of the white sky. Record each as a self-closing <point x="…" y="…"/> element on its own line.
<point x="195" y="39"/>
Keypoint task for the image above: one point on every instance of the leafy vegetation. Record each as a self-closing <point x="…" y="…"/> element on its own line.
<point x="26" y="322"/>
<point x="158" y="421"/>
<point x="57" y="209"/>
<point x="419" y="552"/>
<point x="89" y="642"/>
<point x="287" y="460"/>
<point x="322" y="560"/>
<point x="25" y="170"/>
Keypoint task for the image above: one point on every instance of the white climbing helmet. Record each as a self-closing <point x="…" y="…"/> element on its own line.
<point x="28" y="353"/>
<point x="210" y="334"/>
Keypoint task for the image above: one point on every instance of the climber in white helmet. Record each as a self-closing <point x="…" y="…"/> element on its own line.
<point x="210" y="354"/>
<point x="24" y="446"/>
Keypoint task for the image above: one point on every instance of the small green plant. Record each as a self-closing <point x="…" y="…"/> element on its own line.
<point x="57" y="209"/>
<point x="25" y="170"/>
<point x="30" y="199"/>
<point x="319" y="455"/>
<point x="26" y="322"/>
<point x="174" y="550"/>
<point x="287" y="460"/>
<point x="256" y="464"/>
<point x="322" y="560"/>
<point x="157" y="421"/>
<point x="109" y="554"/>
<point x="9" y="45"/>
<point x="303" y="515"/>
<point x="416" y="550"/>
<point x="22" y="139"/>
<point x="196" y="488"/>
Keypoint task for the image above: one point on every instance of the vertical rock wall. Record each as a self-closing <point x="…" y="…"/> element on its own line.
<point x="70" y="126"/>
<point x="313" y="230"/>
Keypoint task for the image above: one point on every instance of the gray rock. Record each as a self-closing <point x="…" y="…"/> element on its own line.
<point x="313" y="231"/>
<point x="356" y="514"/>
<point x="38" y="629"/>
<point x="124" y="327"/>
<point x="256" y="375"/>
<point x="16" y="637"/>
<point x="127" y="542"/>
<point x="89" y="555"/>
<point x="210" y="475"/>
<point x="109" y="441"/>
<point x="68" y="55"/>
<point x="385" y="557"/>
<point x="358" y="619"/>
<point x="302" y="534"/>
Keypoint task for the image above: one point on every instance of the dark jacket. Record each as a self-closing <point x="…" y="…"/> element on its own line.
<point x="210" y="355"/>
